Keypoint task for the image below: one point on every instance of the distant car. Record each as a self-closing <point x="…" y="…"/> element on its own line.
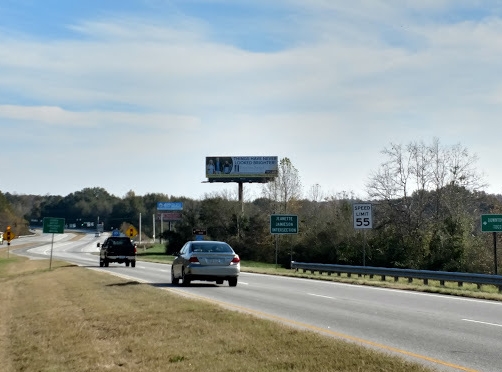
<point x="206" y="260"/>
<point x="97" y="235"/>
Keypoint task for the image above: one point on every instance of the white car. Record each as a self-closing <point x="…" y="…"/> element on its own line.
<point x="206" y="260"/>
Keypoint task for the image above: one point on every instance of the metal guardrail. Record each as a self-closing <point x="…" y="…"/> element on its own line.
<point x="425" y="275"/>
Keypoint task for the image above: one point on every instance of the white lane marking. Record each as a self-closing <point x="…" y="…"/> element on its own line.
<point x="317" y="295"/>
<point x="366" y="287"/>
<point x="480" y="322"/>
<point x="243" y="283"/>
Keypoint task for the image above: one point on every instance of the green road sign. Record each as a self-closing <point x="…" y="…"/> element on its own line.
<point x="491" y="222"/>
<point x="283" y="224"/>
<point x="53" y="225"/>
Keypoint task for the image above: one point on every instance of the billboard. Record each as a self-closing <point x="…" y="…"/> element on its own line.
<point x="169" y="216"/>
<point x="170" y="206"/>
<point x="241" y="168"/>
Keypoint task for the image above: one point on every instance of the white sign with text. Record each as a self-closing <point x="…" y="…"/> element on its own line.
<point x="363" y="216"/>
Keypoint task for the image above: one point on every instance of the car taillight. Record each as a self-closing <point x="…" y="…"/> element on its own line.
<point x="236" y="259"/>
<point x="194" y="259"/>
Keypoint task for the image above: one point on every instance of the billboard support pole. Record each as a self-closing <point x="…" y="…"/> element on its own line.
<point x="153" y="224"/>
<point x="241" y="196"/>
<point x="161" y="227"/>
<point x="140" y="232"/>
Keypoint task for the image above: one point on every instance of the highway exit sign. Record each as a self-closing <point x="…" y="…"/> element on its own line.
<point x="53" y="225"/>
<point x="491" y="222"/>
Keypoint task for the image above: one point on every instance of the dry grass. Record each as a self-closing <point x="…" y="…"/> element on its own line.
<point x="75" y="319"/>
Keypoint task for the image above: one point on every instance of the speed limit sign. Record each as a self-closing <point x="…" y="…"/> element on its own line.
<point x="363" y="216"/>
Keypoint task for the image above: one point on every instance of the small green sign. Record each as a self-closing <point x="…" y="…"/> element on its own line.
<point x="283" y="224"/>
<point x="53" y="225"/>
<point x="491" y="222"/>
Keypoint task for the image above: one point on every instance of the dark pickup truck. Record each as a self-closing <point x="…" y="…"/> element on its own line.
<point x="117" y="249"/>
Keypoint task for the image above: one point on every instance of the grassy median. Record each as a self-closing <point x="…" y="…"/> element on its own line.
<point x="75" y="319"/>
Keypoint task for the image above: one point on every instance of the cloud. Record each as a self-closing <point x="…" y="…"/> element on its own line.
<point x="326" y="83"/>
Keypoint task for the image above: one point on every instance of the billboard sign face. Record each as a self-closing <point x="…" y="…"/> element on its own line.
<point x="170" y="206"/>
<point x="241" y="168"/>
<point x="169" y="216"/>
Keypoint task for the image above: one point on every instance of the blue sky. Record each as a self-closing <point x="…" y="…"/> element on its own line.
<point x="133" y="95"/>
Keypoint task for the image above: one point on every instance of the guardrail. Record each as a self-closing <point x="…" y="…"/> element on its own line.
<point x="425" y="275"/>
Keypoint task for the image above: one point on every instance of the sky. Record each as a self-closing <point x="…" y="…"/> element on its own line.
<point x="133" y="95"/>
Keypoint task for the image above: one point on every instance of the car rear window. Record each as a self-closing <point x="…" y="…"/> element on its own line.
<point x="217" y="248"/>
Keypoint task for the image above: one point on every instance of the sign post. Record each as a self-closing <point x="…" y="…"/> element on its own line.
<point x="492" y="223"/>
<point x="8" y="235"/>
<point x="53" y="226"/>
<point x="283" y="224"/>
<point x="170" y="206"/>
<point x="176" y="215"/>
<point x="363" y="219"/>
<point x="199" y="233"/>
<point x="132" y="232"/>
<point x="363" y="216"/>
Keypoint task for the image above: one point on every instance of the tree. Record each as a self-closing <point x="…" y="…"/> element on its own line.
<point x="425" y="195"/>
<point x="285" y="189"/>
<point x="284" y="193"/>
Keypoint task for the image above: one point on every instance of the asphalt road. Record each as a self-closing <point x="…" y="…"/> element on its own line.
<point x="446" y="332"/>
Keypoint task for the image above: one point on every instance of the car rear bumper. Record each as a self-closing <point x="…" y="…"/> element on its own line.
<point x="130" y="258"/>
<point x="213" y="271"/>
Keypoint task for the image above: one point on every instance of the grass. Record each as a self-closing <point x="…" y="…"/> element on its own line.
<point x="75" y="319"/>
<point x="486" y="292"/>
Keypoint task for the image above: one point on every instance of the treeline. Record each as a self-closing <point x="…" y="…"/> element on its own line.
<point x="438" y="237"/>
<point x="427" y="205"/>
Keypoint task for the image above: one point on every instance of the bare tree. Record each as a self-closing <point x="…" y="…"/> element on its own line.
<point x="315" y="193"/>
<point x="286" y="187"/>
<point x="425" y="192"/>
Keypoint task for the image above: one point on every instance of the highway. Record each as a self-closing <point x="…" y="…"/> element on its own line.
<point x="446" y="332"/>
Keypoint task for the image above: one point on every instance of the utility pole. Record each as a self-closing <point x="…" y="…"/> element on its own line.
<point x="153" y="223"/>
<point x="140" y="229"/>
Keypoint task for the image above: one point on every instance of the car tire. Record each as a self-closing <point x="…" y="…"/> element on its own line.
<point x="101" y="263"/>
<point x="127" y="263"/>
<point x="219" y="281"/>
<point x="106" y="263"/>
<point x="185" y="279"/>
<point x="232" y="282"/>
<point x="133" y="263"/>
<point x="173" y="279"/>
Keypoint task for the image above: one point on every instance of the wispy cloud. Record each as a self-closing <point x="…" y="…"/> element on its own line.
<point x="322" y="82"/>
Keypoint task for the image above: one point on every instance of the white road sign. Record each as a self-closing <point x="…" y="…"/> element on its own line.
<point x="363" y="216"/>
